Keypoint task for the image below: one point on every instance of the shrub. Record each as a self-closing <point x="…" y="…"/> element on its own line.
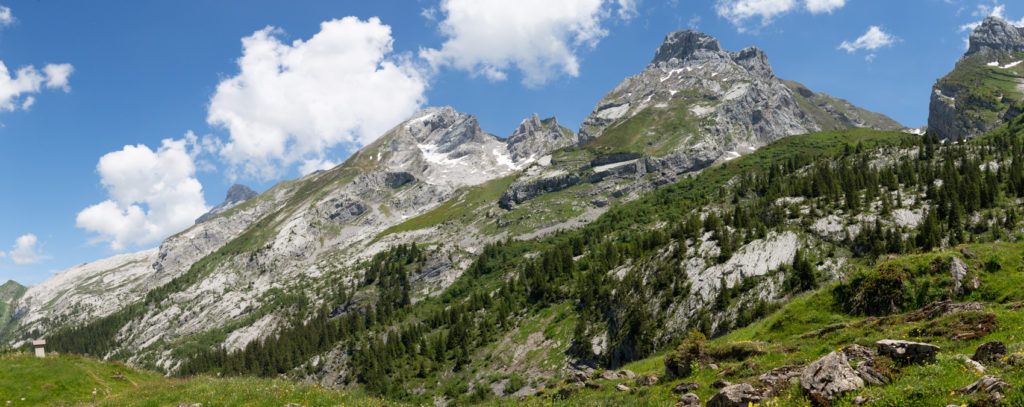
<point x="679" y="363"/>
<point x="876" y="292"/>
<point x="993" y="264"/>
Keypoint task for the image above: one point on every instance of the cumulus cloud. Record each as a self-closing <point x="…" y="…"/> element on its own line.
<point x="984" y="10"/>
<point x="291" y="102"/>
<point x="540" y="38"/>
<point x="824" y="6"/>
<point x="740" y="11"/>
<point x="152" y="194"/>
<point x="873" y="39"/>
<point x="16" y="89"/>
<point x="26" y="250"/>
<point x="6" y="18"/>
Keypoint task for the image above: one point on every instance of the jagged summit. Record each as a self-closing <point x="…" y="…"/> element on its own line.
<point x="718" y="101"/>
<point x="685" y="46"/>
<point x="997" y="34"/>
<point x="237" y="194"/>
<point x="681" y="45"/>
<point x="535" y="138"/>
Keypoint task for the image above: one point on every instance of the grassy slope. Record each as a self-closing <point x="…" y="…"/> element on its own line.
<point x="986" y="89"/>
<point x="9" y="292"/>
<point x="916" y="385"/>
<point x="70" y="380"/>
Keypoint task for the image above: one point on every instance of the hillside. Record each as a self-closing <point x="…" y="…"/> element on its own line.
<point x="986" y="88"/>
<point x="437" y="180"/>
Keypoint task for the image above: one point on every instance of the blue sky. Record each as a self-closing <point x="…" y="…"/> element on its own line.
<point x="160" y="113"/>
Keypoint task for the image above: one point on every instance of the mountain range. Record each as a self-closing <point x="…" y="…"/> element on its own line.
<point x="701" y="194"/>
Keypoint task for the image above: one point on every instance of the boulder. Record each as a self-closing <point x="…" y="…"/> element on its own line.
<point x="828" y="377"/>
<point x="686" y="387"/>
<point x="907" y="351"/>
<point x="780" y="377"/>
<point x="622" y="387"/>
<point x="609" y="375"/>
<point x="858" y="352"/>
<point x="593" y="386"/>
<point x="627" y="374"/>
<point x="992" y="385"/>
<point x="990" y="352"/>
<point x="577" y="377"/>
<point x="963" y="283"/>
<point x="968" y="254"/>
<point x="719" y="384"/>
<point x="860" y="400"/>
<point x="689" y="400"/>
<point x="971" y="363"/>
<point x="737" y="395"/>
<point x="872" y="376"/>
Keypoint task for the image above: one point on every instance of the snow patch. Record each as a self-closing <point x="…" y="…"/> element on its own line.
<point x="731" y="155"/>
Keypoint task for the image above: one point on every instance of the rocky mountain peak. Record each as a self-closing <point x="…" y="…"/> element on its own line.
<point x="681" y="45"/>
<point x="237" y="194"/>
<point x="444" y="127"/>
<point x="535" y="138"/>
<point x="996" y="34"/>
<point x="755" y="61"/>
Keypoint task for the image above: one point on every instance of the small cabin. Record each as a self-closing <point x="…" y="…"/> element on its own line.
<point x="39" y="346"/>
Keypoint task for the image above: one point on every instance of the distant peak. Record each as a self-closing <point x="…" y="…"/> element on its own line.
<point x="239" y="193"/>
<point x="996" y="34"/>
<point x="682" y="44"/>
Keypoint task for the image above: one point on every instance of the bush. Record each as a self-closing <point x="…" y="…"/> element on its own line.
<point x="876" y="292"/>
<point x="679" y="363"/>
<point x="514" y="384"/>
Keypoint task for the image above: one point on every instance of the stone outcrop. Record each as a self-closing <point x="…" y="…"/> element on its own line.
<point x="737" y="395"/>
<point x="828" y="377"/>
<point x="535" y="137"/>
<point x="907" y="352"/>
<point x="963" y="282"/>
<point x="997" y="34"/>
<point x="689" y="400"/>
<point x="989" y="352"/>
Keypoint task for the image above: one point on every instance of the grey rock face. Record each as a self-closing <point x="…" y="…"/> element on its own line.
<point x="996" y="34"/>
<point x="828" y="377"/>
<point x="681" y="45"/>
<point x="237" y="194"/>
<point x="907" y="351"/>
<point x="689" y="400"/>
<point x="535" y="138"/>
<point x="737" y="395"/>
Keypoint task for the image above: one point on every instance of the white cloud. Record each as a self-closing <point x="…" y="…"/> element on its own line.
<point x="6" y="18"/>
<point x="540" y="38"/>
<point x="291" y="102"/>
<point x="26" y="250"/>
<point x="28" y="80"/>
<point x="152" y="194"/>
<point x="740" y="11"/>
<point x="873" y="39"/>
<point x="627" y="9"/>
<point x="824" y="6"/>
<point x="984" y="10"/>
<point x="311" y="165"/>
